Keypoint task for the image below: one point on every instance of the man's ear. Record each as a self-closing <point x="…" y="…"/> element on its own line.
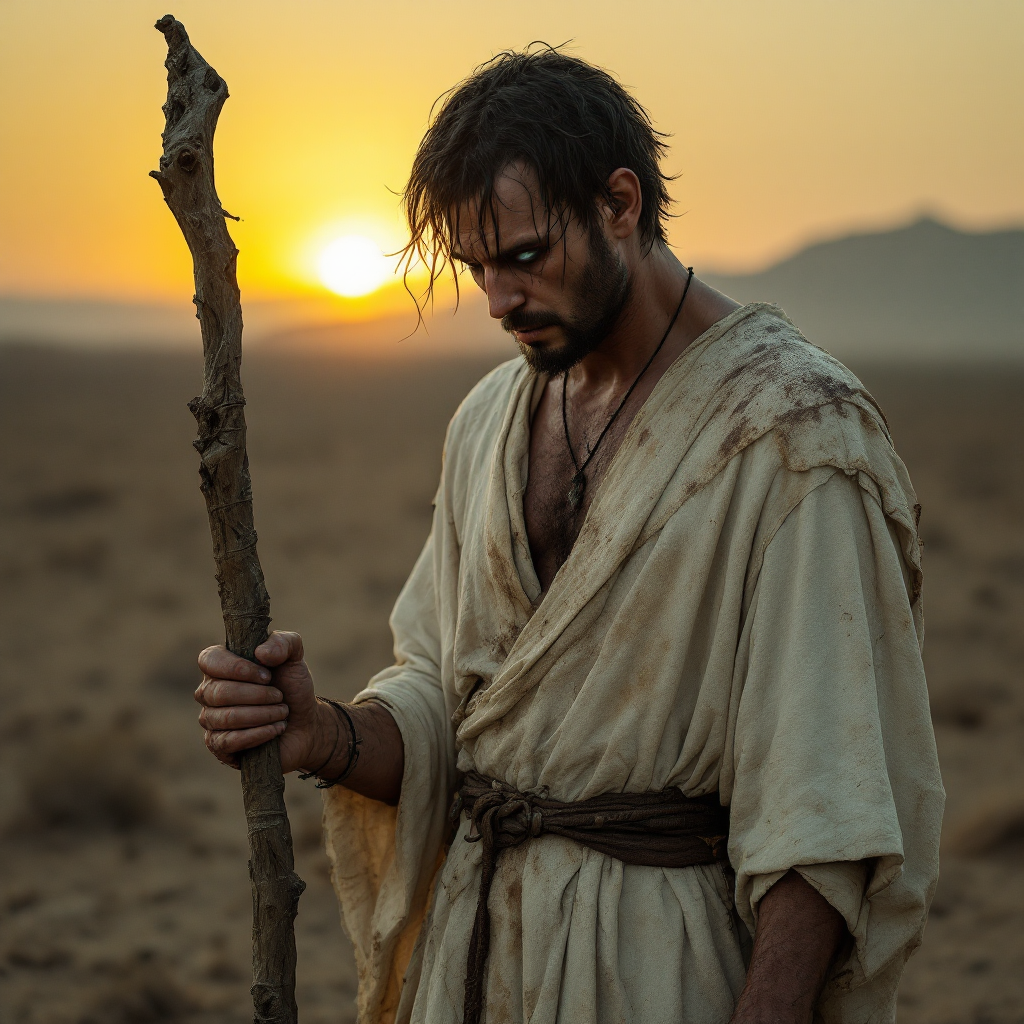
<point x="624" y="215"/>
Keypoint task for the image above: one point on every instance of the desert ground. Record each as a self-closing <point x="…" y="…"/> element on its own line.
<point x="124" y="897"/>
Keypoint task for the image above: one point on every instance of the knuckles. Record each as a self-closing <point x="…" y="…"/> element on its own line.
<point x="215" y="743"/>
<point x="247" y="716"/>
<point x="208" y="656"/>
<point x="205" y="692"/>
<point x="220" y="662"/>
<point x="232" y="693"/>
<point x="226" y="745"/>
<point x="216" y="693"/>
<point x="232" y="715"/>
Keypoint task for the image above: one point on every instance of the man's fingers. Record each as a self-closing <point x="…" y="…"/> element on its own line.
<point x="220" y="663"/>
<point x="214" y="693"/>
<point x="240" y="710"/>
<point x="223" y="744"/>
<point x="280" y="647"/>
<point x="217" y="719"/>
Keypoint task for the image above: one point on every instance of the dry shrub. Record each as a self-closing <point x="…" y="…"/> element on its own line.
<point x="93" y="782"/>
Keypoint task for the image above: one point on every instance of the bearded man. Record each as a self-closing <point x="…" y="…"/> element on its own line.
<point x="656" y="743"/>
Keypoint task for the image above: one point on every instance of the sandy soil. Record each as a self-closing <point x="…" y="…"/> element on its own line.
<point x="124" y="897"/>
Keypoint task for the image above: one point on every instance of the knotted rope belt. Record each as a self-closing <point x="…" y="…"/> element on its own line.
<point x="666" y="830"/>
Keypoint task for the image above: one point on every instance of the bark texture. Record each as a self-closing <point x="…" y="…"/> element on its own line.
<point x="195" y="95"/>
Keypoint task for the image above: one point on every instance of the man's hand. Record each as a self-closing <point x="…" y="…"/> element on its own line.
<point x="245" y="704"/>
<point x="798" y="936"/>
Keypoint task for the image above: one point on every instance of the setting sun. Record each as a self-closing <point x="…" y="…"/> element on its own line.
<point x="353" y="265"/>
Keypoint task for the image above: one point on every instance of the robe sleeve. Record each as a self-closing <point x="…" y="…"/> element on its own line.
<point x="834" y="767"/>
<point x="383" y="859"/>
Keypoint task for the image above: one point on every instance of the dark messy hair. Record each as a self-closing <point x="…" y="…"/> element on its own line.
<point x="572" y="123"/>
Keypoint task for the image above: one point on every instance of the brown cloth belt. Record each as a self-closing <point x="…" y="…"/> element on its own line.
<point x="665" y="830"/>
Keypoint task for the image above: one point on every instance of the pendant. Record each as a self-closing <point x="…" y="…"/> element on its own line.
<point x="576" y="489"/>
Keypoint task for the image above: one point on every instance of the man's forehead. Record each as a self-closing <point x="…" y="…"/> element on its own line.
<point x="514" y="215"/>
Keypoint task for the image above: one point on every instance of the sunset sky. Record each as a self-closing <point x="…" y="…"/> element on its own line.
<point x="790" y="120"/>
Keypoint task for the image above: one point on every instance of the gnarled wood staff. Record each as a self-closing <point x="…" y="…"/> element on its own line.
<point x="195" y="95"/>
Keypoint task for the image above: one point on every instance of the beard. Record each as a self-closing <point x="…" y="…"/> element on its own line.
<point x="600" y="299"/>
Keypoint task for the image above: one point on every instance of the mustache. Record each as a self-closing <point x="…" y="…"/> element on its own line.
<point x="524" y="320"/>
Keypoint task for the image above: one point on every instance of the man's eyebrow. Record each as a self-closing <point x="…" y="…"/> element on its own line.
<point x="510" y="250"/>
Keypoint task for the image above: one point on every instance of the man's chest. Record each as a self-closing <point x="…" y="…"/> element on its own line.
<point x="551" y="526"/>
<point x="552" y="521"/>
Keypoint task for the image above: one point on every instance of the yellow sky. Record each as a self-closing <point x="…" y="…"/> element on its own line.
<point x="791" y="120"/>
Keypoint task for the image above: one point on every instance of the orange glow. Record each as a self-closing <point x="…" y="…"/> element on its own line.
<point x="789" y="120"/>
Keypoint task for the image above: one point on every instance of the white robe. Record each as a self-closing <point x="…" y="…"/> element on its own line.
<point x="740" y="615"/>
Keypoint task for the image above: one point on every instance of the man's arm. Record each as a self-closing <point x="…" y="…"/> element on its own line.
<point x="798" y="936"/>
<point x="245" y="704"/>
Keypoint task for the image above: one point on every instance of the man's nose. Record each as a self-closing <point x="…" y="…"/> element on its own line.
<point x="504" y="292"/>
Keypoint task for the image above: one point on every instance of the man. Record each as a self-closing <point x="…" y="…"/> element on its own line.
<point x="662" y="644"/>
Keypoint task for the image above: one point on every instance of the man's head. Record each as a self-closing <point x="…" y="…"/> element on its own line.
<point x="540" y="174"/>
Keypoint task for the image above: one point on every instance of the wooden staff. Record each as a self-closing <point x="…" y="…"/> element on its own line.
<point x="195" y="95"/>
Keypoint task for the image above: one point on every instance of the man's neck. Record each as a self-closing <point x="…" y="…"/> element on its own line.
<point x="656" y="285"/>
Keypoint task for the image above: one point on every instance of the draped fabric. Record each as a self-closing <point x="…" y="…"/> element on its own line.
<point x="741" y="615"/>
<point x="663" y="829"/>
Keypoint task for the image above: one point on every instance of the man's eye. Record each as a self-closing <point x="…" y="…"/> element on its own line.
<point x="529" y="256"/>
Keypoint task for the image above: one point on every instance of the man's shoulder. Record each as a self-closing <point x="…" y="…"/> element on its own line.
<point x="758" y="377"/>
<point x="818" y="414"/>
<point x="769" y="353"/>
<point x="766" y="375"/>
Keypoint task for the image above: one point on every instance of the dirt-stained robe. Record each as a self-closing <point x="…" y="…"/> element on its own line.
<point x="741" y="614"/>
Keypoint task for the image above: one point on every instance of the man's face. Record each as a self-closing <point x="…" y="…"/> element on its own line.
<point x="559" y="296"/>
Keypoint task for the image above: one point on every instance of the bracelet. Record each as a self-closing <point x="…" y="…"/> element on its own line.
<point x="353" y="748"/>
<point x="330" y="756"/>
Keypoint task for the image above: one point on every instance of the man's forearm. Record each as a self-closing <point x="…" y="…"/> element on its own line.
<point x="381" y="758"/>
<point x="798" y="936"/>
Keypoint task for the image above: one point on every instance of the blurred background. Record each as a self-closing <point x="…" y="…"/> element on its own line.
<point x="861" y="165"/>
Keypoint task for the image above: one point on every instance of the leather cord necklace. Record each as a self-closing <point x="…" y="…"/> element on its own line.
<point x="574" y="496"/>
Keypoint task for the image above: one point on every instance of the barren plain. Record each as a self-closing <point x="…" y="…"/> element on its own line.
<point x="123" y="895"/>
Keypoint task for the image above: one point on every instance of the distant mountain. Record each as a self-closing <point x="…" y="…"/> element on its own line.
<point x="922" y="291"/>
<point x="926" y="291"/>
